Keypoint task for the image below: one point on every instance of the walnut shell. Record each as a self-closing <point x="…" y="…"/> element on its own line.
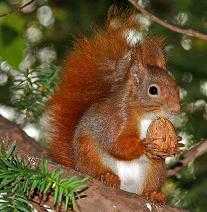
<point x="161" y="134"/>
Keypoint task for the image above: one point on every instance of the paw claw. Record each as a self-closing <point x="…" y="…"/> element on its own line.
<point x="110" y="180"/>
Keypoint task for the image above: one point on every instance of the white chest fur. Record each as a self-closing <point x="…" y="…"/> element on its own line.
<point x="132" y="174"/>
<point x="144" y="124"/>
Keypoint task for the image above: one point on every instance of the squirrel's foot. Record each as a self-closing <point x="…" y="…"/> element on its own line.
<point x="156" y="197"/>
<point x="110" y="180"/>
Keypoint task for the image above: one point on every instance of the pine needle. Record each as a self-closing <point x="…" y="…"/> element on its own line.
<point x="18" y="181"/>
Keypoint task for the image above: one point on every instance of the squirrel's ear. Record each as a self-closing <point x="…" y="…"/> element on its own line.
<point x="113" y="12"/>
<point x="152" y="52"/>
<point x="119" y="18"/>
<point x="114" y="18"/>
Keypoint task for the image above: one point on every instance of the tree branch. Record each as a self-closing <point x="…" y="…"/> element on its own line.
<point x="188" y="157"/>
<point x="107" y="198"/>
<point x="189" y="32"/>
<point x="26" y="4"/>
<point x="18" y="9"/>
<point x="97" y="196"/>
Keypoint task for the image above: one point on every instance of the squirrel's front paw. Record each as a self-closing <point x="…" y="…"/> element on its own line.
<point x="155" y="149"/>
<point x="110" y="180"/>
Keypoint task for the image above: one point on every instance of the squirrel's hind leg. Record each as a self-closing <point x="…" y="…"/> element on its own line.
<point x="88" y="161"/>
<point x="155" y="179"/>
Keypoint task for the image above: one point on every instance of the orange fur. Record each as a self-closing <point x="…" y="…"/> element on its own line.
<point x="95" y="108"/>
<point x="82" y="83"/>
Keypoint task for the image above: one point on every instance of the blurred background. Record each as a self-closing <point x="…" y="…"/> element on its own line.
<point x="35" y="38"/>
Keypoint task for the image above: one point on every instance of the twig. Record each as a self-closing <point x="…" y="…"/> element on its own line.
<point x="188" y="157"/>
<point x="189" y="32"/>
<point x="18" y="9"/>
<point x="26" y="4"/>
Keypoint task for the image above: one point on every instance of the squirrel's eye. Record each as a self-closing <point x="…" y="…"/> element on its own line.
<point x="153" y="90"/>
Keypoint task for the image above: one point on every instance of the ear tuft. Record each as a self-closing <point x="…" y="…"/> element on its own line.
<point x="152" y="52"/>
<point x="119" y="18"/>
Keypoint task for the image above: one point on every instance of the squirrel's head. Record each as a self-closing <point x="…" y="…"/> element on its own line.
<point x="156" y="90"/>
<point x="154" y="87"/>
<point x="115" y="59"/>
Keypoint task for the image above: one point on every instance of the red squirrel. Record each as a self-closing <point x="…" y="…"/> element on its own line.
<point x="109" y="93"/>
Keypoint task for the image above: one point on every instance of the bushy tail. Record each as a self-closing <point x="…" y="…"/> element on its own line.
<point x="83" y="82"/>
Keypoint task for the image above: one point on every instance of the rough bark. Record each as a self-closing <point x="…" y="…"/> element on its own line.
<point x="97" y="197"/>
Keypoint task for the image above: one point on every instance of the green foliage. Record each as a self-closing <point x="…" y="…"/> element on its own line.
<point x="14" y="203"/>
<point x="19" y="181"/>
<point x="188" y="190"/>
<point x="11" y="39"/>
<point x="32" y="89"/>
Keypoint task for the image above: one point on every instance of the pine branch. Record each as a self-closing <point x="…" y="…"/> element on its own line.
<point x="33" y="87"/>
<point x="14" y="202"/>
<point x="18" y="182"/>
